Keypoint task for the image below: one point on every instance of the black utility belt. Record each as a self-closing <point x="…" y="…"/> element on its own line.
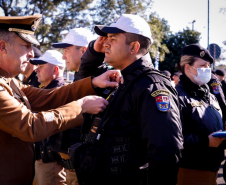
<point x="47" y="155"/>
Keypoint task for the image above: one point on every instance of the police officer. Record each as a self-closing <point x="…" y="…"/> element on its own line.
<point x="19" y="126"/>
<point x="74" y="45"/>
<point x="220" y="74"/>
<point x="215" y="87"/>
<point x="142" y="125"/>
<point x="48" y="166"/>
<point x="201" y="117"/>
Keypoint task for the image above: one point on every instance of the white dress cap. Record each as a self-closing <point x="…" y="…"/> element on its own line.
<point x="127" y="23"/>
<point x="50" y="56"/>
<point x="76" y="37"/>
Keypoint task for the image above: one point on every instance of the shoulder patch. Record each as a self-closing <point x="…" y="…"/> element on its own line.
<point x="162" y="99"/>
<point x="216" y="88"/>
<point x="1" y="88"/>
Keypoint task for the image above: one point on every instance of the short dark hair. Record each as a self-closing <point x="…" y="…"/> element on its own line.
<point x="78" y="47"/>
<point x="145" y="42"/>
<point x="6" y="36"/>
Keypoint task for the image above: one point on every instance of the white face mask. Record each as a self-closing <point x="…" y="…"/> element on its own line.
<point x="203" y="77"/>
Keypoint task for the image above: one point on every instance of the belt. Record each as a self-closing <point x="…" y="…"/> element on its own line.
<point x="68" y="165"/>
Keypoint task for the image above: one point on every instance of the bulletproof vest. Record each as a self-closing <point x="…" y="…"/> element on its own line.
<point x="119" y="141"/>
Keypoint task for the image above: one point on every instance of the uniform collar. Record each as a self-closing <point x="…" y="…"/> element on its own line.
<point x="5" y="75"/>
<point x="138" y="64"/>
<point x="193" y="88"/>
<point x="55" y="83"/>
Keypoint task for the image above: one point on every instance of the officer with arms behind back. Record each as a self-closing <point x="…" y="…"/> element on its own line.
<point x="141" y="126"/>
<point x="19" y="127"/>
<point x="201" y="117"/>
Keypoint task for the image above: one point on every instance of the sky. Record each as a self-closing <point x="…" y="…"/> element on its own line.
<point x="180" y="14"/>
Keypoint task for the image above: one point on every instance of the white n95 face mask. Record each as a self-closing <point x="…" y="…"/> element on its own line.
<point x="203" y="77"/>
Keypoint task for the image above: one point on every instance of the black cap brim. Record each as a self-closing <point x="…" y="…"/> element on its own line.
<point x="104" y="30"/>
<point x="61" y="45"/>
<point x="28" y="38"/>
<point x="35" y="61"/>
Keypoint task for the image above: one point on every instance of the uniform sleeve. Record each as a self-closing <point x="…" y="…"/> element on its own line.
<point x="20" y="122"/>
<point x="91" y="62"/>
<point x="45" y="99"/>
<point x="162" y="132"/>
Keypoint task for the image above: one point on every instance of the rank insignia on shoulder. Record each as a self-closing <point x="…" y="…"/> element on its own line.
<point x="1" y="88"/>
<point x="216" y="89"/>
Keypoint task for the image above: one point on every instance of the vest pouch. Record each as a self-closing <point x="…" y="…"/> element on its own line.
<point x="86" y="158"/>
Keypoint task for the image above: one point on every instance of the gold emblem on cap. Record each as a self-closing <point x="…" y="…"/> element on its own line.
<point x="36" y="23"/>
<point x="202" y="53"/>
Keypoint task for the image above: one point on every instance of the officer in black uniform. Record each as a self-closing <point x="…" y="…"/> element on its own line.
<point x="215" y="87"/>
<point x="220" y="73"/>
<point x="201" y="117"/>
<point x="140" y="133"/>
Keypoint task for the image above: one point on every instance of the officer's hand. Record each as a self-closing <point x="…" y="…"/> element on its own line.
<point x="93" y="104"/>
<point x="110" y="78"/>
<point x="214" y="141"/>
<point x="99" y="44"/>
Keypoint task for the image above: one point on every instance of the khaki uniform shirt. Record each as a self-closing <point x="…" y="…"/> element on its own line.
<point x="19" y="126"/>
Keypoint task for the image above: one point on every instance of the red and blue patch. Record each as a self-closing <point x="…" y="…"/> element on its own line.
<point x="216" y="89"/>
<point x="163" y="103"/>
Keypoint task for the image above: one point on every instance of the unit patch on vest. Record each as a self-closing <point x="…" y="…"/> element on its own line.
<point x="216" y="88"/>
<point x="196" y="103"/>
<point x="162" y="99"/>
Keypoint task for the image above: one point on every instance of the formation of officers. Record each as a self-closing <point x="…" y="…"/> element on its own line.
<point x="126" y="125"/>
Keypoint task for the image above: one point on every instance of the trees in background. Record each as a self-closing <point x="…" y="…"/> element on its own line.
<point x="175" y="42"/>
<point x="61" y="15"/>
<point x="58" y="15"/>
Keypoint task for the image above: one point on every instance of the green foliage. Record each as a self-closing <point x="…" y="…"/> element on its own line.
<point x="175" y="42"/>
<point x="160" y="31"/>
<point x="107" y="11"/>
<point x="58" y="15"/>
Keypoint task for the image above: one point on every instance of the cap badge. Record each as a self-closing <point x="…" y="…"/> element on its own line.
<point x="202" y="53"/>
<point x="36" y="23"/>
